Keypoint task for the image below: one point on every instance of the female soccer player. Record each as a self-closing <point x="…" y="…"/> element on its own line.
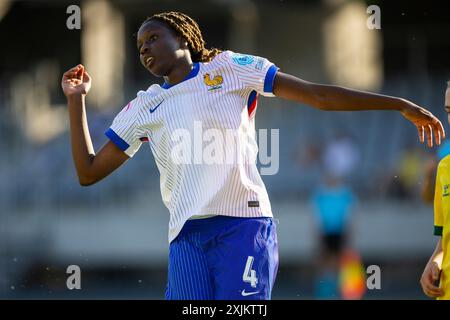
<point x="435" y="279"/>
<point x="223" y="242"/>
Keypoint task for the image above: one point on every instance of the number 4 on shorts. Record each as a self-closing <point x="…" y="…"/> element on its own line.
<point x="249" y="274"/>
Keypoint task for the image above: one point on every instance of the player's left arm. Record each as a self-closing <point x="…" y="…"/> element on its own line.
<point x="336" y="98"/>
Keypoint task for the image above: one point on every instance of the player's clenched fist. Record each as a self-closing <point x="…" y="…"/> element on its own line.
<point x="429" y="276"/>
<point x="76" y="81"/>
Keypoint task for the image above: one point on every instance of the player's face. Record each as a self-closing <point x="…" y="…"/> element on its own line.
<point x="158" y="48"/>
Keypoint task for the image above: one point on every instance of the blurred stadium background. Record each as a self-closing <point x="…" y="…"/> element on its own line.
<point x="116" y="231"/>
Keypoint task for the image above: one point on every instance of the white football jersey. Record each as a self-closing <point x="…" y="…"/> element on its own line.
<point x="202" y="134"/>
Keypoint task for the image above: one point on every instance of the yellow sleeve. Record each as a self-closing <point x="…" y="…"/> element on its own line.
<point x="438" y="216"/>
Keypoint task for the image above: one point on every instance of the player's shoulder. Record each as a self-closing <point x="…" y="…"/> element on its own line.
<point x="444" y="164"/>
<point x="139" y="102"/>
<point x="240" y="59"/>
<point x="153" y="90"/>
<point x="236" y="58"/>
<point x="150" y="93"/>
<point x="222" y="58"/>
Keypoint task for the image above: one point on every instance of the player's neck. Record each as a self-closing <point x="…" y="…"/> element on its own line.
<point x="180" y="71"/>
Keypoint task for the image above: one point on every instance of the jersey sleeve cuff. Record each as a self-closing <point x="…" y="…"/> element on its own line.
<point x="118" y="141"/>
<point x="438" y="230"/>
<point x="269" y="79"/>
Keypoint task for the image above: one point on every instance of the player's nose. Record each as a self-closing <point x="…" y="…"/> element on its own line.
<point x="145" y="49"/>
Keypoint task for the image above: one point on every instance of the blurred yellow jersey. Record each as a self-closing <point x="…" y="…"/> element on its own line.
<point x="441" y="220"/>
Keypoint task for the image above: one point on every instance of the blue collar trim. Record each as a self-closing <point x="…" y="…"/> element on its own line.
<point x="191" y="74"/>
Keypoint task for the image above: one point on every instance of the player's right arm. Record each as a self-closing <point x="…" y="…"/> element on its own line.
<point x="431" y="273"/>
<point x="90" y="167"/>
<point x="434" y="266"/>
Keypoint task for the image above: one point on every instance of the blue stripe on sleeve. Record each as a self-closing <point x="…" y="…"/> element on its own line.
<point x="118" y="141"/>
<point x="270" y="76"/>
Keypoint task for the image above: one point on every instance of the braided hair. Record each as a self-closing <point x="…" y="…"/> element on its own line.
<point x="185" y="26"/>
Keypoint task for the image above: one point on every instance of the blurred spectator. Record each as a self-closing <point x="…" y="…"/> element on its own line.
<point x="340" y="156"/>
<point x="332" y="204"/>
<point x="404" y="184"/>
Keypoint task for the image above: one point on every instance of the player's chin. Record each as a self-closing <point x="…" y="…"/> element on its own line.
<point x="155" y="71"/>
<point x="150" y="68"/>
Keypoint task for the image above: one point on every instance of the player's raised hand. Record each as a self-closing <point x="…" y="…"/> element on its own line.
<point x="76" y="81"/>
<point x="426" y="124"/>
<point x="429" y="277"/>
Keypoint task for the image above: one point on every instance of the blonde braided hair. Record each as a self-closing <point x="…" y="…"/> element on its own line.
<point x="189" y="30"/>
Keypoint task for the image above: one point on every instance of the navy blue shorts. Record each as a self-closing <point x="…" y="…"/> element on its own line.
<point x="223" y="258"/>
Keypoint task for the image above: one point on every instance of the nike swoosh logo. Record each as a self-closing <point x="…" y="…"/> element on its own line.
<point x="244" y="294"/>
<point x="153" y="110"/>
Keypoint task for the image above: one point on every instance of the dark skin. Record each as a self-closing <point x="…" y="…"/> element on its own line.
<point x="169" y="52"/>
<point x="172" y="60"/>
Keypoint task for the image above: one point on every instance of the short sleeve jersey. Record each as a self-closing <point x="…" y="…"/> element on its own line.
<point x="202" y="135"/>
